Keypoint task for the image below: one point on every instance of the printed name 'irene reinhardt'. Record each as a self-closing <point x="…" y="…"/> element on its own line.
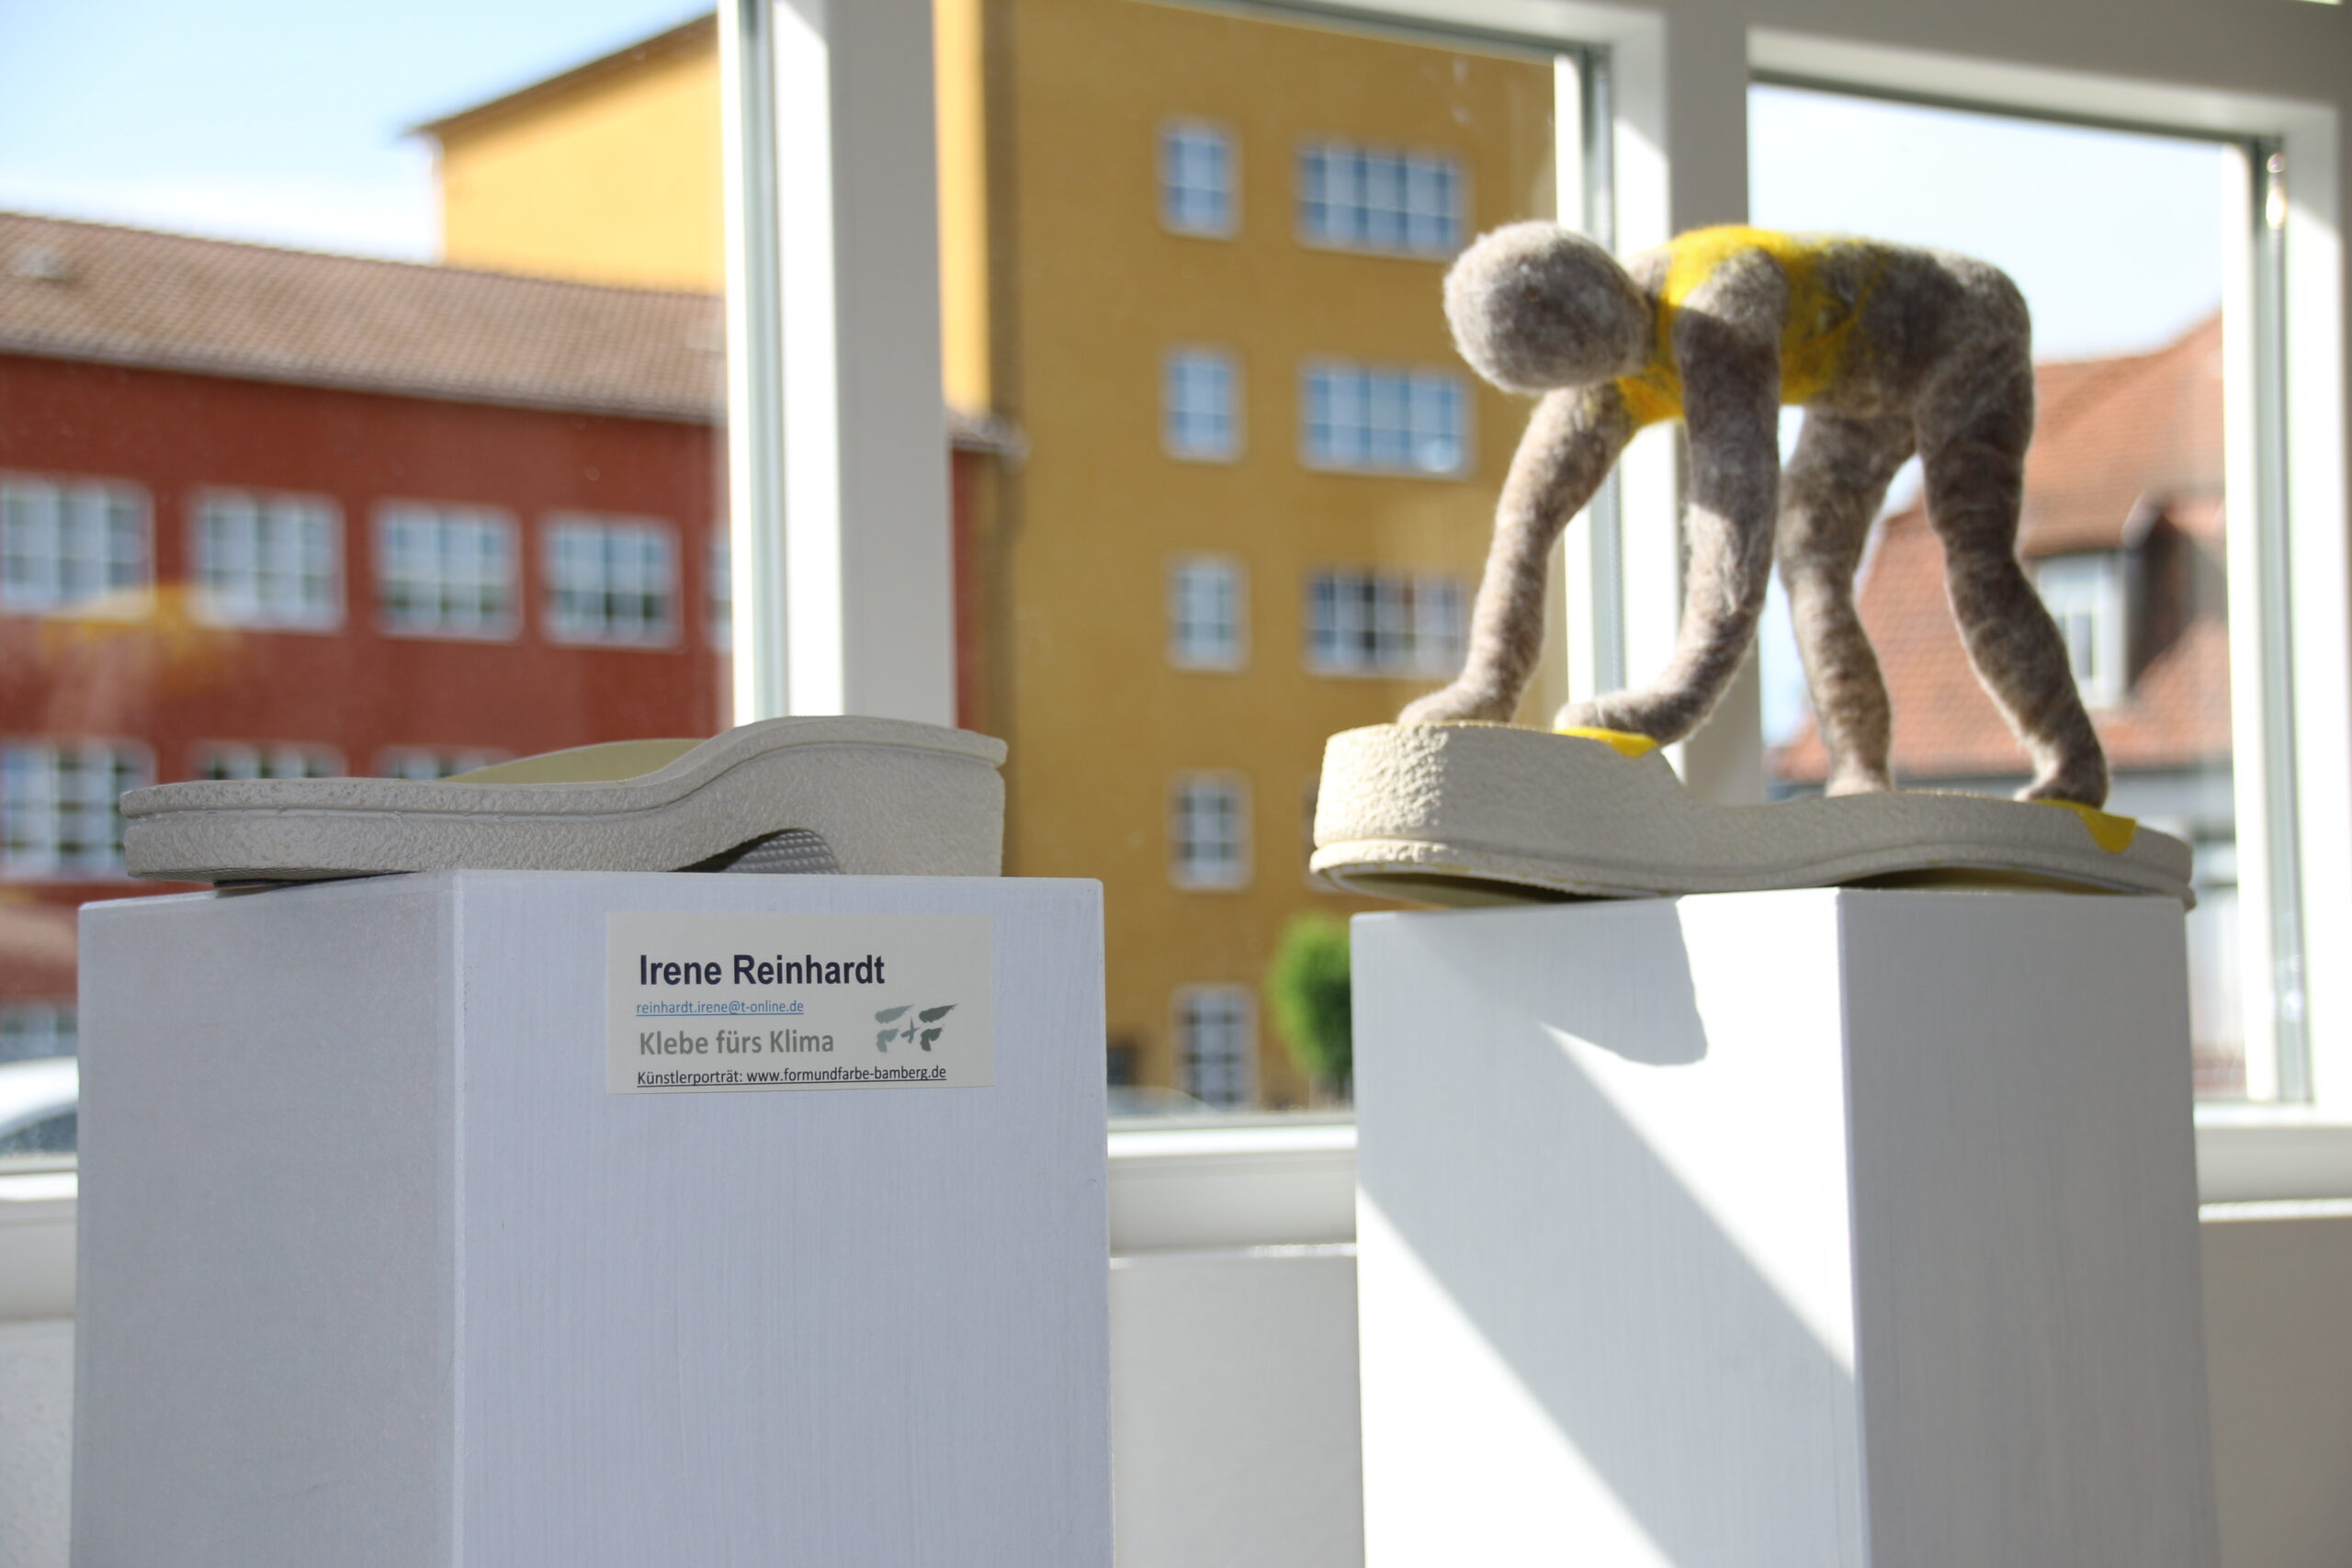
<point x="728" y="1042"/>
<point x="752" y="970"/>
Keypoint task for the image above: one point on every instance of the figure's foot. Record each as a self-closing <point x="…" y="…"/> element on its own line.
<point x="1859" y="781"/>
<point x="2081" y="780"/>
<point x="1457" y="704"/>
<point x="1627" y="713"/>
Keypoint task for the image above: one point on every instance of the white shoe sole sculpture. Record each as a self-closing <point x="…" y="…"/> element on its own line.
<point x="1481" y="814"/>
<point x="870" y="797"/>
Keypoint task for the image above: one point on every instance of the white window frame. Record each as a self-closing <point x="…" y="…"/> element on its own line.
<point x="1228" y="652"/>
<point x="1181" y="370"/>
<point x="1667" y="160"/>
<point x="58" y="589"/>
<point x="1190" y="872"/>
<point x="563" y="533"/>
<point x="292" y="538"/>
<point x="51" y="867"/>
<point x="1173" y="187"/>
<point x="393" y="515"/>
<point x="1406" y="392"/>
<point x="1241" y="1006"/>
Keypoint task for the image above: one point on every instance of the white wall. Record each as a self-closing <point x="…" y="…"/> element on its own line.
<point x="1234" y="1388"/>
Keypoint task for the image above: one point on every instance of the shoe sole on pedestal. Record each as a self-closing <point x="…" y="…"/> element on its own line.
<point x="868" y="797"/>
<point x="1481" y="814"/>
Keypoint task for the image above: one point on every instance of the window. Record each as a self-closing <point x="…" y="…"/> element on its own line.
<point x="1372" y="198"/>
<point x="1384" y="421"/>
<point x="1200" y="393"/>
<point x="722" y="590"/>
<point x="31" y="1030"/>
<point x="270" y="560"/>
<point x="57" y="805"/>
<point x="1196" y="180"/>
<point x="241" y="759"/>
<point x="1363" y="622"/>
<point x="427" y="763"/>
<point x="66" y="542"/>
<point x="1209" y="832"/>
<point x="611" y="580"/>
<point x="446" y="571"/>
<point x="2086" y="595"/>
<point x="1216" y="1045"/>
<point x="1205" y="630"/>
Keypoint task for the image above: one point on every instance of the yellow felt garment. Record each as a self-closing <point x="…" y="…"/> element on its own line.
<point x="1814" y="342"/>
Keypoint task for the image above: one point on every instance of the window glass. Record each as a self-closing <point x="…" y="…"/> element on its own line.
<point x="281" y="760"/>
<point x="1382" y="420"/>
<point x="67" y="542"/>
<point x="1201" y="387"/>
<point x="1196" y="180"/>
<point x="1208" y="833"/>
<point x="1360" y="623"/>
<point x="447" y="570"/>
<point x="2116" y="238"/>
<point x="610" y="580"/>
<point x="1205" y="613"/>
<point x="1369" y="198"/>
<point x="270" y="561"/>
<point x="1215" y="1033"/>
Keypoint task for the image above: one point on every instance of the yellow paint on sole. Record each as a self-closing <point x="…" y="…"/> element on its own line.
<point x="2113" y="833"/>
<point x="1625" y="743"/>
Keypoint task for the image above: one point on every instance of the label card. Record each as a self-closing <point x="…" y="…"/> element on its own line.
<point x="702" y="1003"/>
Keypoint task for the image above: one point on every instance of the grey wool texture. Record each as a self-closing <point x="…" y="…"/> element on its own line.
<point x="1891" y="350"/>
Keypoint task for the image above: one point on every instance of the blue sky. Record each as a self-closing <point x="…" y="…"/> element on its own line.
<point x="280" y="121"/>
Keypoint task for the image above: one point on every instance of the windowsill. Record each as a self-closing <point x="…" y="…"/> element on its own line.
<point x="2272" y="1154"/>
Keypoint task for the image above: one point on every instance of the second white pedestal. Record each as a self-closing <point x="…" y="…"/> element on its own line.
<point x="377" y="1270"/>
<point x="1781" y="1231"/>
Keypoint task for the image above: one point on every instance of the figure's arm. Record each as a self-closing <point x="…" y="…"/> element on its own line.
<point x="1728" y="347"/>
<point x="1572" y="440"/>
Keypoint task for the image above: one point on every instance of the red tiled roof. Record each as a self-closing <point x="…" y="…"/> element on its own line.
<point x="92" y="291"/>
<point x="2121" y="446"/>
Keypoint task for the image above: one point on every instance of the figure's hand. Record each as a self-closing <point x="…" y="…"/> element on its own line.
<point x="1457" y="703"/>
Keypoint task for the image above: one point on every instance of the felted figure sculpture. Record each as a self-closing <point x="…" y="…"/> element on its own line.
<point x="1890" y="349"/>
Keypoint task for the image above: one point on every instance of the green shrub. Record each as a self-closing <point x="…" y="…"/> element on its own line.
<point x="1306" y="989"/>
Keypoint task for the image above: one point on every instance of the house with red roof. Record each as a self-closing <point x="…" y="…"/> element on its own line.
<point x="268" y="512"/>
<point x="2122" y="530"/>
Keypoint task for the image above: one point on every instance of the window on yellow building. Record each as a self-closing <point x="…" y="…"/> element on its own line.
<point x="1209" y="832"/>
<point x="1363" y="419"/>
<point x="1205" y="606"/>
<point x="1381" y="199"/>
<point x="1197" y="170"/>
<point x="1368" y="623"/>
<point x="1200" y="403"/>
<point x="1216" y="1044"/>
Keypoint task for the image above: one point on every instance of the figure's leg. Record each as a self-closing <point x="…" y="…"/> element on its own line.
<point x="1728" y="530"/>
<point x="1832" y="490"/>
<point x="1571" y="440"/>
<point x="1975" y="421"/>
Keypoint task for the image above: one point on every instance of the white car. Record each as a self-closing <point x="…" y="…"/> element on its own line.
<point x="38" y="1105"/>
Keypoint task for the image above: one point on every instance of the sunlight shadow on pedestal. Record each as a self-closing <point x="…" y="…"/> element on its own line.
<point x="1742" y="1303"/>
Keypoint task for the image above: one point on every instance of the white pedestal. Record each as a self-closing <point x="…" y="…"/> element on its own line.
<point x="375" y="1269"/>
<point x="1781" y="1231"/>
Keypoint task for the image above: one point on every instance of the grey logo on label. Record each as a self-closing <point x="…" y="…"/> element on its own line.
<point x="911" y="1031"/>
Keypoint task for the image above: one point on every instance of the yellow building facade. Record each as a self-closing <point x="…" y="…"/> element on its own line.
<point x="1192" y="258"/>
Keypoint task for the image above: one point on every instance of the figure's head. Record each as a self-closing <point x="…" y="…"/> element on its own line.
<point x="1534" y="307"/>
